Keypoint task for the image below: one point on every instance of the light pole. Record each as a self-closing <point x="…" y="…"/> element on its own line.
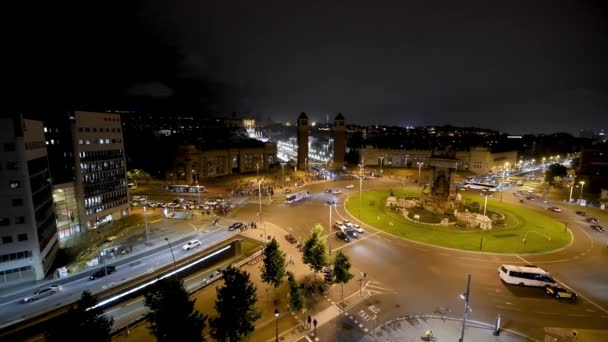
<point x="419" y="169"/>
<point x="260" y="200"/>
<point x="173" y="255"/>
<point x="571" y="189"/>
<point x="282" y="173"/>
<point x="582" y="183"/>
<point x="276" y="318"/>
<point x="257" y="170"/>
<point x="146" y="219"/>
<point x="485" y="202"/>
<point x="381" y="162"/>
<point x="467" y="308"/>
<point x="103" y="263"/>
<point x="330" y="204"/>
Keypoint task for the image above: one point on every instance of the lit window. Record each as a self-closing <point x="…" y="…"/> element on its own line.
<point x="15" y="184"/>
<point x="45" y="130"/>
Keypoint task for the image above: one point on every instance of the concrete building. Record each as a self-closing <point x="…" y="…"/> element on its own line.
<point x="100" y="168"/>
<point x="302" y="141"/>
<point x="27" y="223"/>
<point x="194" y="162"/>
<point x="339" y="141"/>
<point x="477" y="160"/>
<point x="593" y="168"/>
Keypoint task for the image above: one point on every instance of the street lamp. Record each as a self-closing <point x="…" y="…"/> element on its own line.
<point x="260" y="212"/>
<point x="257" y="170"/>
<point x="465" y="296"/>
<point x="330" y="204"/>
<point x="282" y="173"/>
<point x="173" y="255"/>
<point x="103" y="263"/>
<point x="572" y="186"/>
<point x="276" y="318"/>
<point x="146" y="220"/>
<point x="419" y="168"/>
<point x="485" y="202"/>
<point x="582" y="183"/>
<point x="381" y="162"/>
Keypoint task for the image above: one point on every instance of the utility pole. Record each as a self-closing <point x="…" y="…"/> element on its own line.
<point x="467" y="308"/>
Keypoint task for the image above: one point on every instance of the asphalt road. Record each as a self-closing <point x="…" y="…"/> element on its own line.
<point x="418" y="279"/>
<point x="13" y="309"/>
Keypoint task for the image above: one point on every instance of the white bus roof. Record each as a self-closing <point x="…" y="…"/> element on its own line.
<point x="526" y="268"/>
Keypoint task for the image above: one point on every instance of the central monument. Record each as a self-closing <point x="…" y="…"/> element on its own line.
<point x="442" y="194"/>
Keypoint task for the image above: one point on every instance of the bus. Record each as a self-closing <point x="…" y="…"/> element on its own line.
<point x="296" y="196"/>
<point x="528" y="275"/>
<point x="187" y="188"/>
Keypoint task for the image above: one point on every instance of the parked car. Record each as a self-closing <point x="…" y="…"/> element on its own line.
<point x="339" y="225"/>
<point x="290" y="238"/>
<point x="235" y="226"/>
<point x="350" y="186"/>
<point x="347" y="223"/>
<point x="342" y="236"/>
<point x="559" y="292"/>
<point x="43" y="293"/>
<point x="581" y="213"/>
<point x="191" y="244"/>
<point x="555" y="209"/>
<point x="357" y="228"/>
<point x="597" y="228"/>
<point x="102" y="272"/>
<point x="336" y="192"/>
<point x="592" y="220"/>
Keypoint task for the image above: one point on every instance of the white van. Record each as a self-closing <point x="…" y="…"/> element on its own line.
<point x="528" y="275"/>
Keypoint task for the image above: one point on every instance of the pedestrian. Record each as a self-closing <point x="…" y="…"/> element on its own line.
<point x="321" y="289"/>
<point x="309" y="322"/>
<point x="314" y="322"/>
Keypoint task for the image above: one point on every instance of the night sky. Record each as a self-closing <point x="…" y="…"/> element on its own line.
<point x="523" y="66"/>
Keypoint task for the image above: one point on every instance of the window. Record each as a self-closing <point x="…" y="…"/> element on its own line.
<point x="80" y="129"/>
<point x="17" y="202"/>
<point x="7" y="239"/>
<point x="9" y="147"/>
<point x="11" y="165"/>
<point x="22" y="237"/>
<point x="14" y="184"/>
<point x="19" y="219"/>
<point x="94" y="129"/>
<point x="87" y="129"/>
<point x="4" y="221"/>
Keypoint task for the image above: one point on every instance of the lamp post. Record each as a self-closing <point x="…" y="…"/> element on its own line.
<point x="381" y="162"/>
<point x="419" y="169"/>
<point x="276" y="318"/>
<point x="330" y="204"/>
<point x="360" y="187"/>
<point x="582" y="183"/>
<point x="103" y="263"/>
<point x="146" y="220"/>
<point x="260" y="212"/>
<point x="257" y="170"/>
<point x="282" y="173"/>
<point x="173" y="255"/>
<point x="571" y="188"/>
<point x="465" y="296"/>
<point x="485" y="202"/>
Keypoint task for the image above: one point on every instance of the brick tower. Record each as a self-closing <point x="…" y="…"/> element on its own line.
<point x="339" y="141"/>
<point x="302" y="141"/>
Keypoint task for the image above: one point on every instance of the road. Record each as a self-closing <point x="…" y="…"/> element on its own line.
<point x="13" y="309"/>
<point x="418" y="278"/>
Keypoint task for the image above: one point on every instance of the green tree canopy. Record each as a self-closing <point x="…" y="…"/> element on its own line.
<point x="235" y="306"/>
<point x="80" y="324"/>
<point x="172" y="315"/>
<point x="296" y="299"/>
<point x="273" y="269"/>
<point x="341" y="270"/>
<point x="315" y="249"/>
<point x="555" y="170"/>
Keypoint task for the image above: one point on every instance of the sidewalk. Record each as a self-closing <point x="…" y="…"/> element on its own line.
<point x="442" y="330"/>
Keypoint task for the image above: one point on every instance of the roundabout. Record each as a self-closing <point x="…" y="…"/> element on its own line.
<point x="522" y="231"/>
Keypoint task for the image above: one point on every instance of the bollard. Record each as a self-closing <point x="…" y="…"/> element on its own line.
<point x="497" y="326"/>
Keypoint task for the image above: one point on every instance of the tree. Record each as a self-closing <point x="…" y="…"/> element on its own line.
<point x="555" y="170"/>
<point x="80" y="324"/>
<point x="172" y="314"/>
<point x="341" y="270"/>
<point x="315" y="250"/>
<point x="296" y="299"/>
<point x="235" y="306"/>
<point x="273" y="270"/>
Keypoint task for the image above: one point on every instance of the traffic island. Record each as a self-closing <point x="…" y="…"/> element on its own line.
<point x="519" y="229"/>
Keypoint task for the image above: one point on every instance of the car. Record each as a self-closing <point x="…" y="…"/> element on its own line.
<point x="342" y="236"/>
<point x="597" y="228"/>
<point x="517" y="193"/>
<point x="106" y="270"/>
<point x="327" y="191"/>
<point x="191" y="244"/>
<point x="352" y="233"/>
<point x="336" y="192"/>
<point x="43" y="293"/>
<point x="339" y="225"/>
<point x="210" y="202"/>
<point x="357" y="228"/>
<point x="530" y="198"/>
<point x="555" y="209"/>
<point x="287" y="191"/>
<point x="290" y="238"/>
<point x="347" y="223"/>
<point x="592" y="220"/>
<point x="350" y="186"/>
<point x="581" y="213"/>
<point x="559" y="292"/>
<point x="235" y="226"/>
